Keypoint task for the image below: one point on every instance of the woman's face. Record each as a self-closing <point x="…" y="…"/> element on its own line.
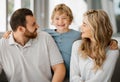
<point x="86" y="29"/>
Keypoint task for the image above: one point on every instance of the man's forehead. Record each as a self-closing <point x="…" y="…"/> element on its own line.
<point x="30" y="18"/>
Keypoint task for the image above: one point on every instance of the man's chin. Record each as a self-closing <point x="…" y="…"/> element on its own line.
<point x="35" y="35"/>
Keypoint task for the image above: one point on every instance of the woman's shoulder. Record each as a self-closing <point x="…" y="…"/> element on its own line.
<point x="109" y="51"/>
<point x="76" y="44"/>
<point x="112" y="53"/>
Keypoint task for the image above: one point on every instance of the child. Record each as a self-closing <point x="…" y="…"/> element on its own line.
<point x="62" y="17"/>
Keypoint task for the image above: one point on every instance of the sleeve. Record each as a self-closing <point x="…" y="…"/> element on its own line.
<point x="75" y="75"/>
<point x="55" y="56"/>
<point x="105" y="74"/>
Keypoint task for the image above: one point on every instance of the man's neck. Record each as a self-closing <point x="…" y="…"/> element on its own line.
<point x="22" y="40"/>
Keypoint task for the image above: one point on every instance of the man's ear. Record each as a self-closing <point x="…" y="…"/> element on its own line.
<point x="21" y="29"/>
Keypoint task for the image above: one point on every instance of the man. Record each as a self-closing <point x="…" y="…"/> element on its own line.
<point x="28" y="56"/>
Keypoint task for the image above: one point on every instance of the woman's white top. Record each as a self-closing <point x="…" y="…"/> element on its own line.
<point x="81" y="70"/>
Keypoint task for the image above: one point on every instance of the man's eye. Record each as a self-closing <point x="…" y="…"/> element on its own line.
<point x="57" y="18"/>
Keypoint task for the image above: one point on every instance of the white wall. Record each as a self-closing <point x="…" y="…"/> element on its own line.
<point x="3" y="16"/>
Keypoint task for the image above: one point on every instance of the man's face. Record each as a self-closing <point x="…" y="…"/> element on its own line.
<point x="31" y="27"/>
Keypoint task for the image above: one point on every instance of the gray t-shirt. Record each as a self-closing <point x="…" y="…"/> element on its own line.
<point x="29" y="63"/>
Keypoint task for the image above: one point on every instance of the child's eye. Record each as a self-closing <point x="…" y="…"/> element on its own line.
<point x="64" y="18"/>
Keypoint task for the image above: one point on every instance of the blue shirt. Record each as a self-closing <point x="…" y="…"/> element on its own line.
<point x="64" y="42"/>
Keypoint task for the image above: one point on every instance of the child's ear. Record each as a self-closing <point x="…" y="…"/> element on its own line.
<point x="70" y="22"/>
<point x="52" y="22"/>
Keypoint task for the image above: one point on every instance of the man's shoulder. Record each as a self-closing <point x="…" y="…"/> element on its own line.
<point x="3" y="42"/>
<point x="48" y="30"/>
<point x="43" y="33"/>
<point x="52" y="32"/>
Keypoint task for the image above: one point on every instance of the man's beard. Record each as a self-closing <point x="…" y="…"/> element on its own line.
<point x="30" y="35"/>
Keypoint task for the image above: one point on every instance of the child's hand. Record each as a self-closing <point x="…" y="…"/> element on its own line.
<point x="6" y="34"/>
<point x="113" y="44"/>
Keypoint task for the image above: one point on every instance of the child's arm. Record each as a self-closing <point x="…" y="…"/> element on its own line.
<point x="6" y="34"/>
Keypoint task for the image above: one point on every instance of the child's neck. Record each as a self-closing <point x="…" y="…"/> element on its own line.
<point x="62" y="31"/>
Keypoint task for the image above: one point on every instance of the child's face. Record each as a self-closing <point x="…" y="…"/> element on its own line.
<point x="61" y="21"/>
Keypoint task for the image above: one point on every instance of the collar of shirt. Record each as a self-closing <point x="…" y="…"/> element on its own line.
<point x="12" y="41"/>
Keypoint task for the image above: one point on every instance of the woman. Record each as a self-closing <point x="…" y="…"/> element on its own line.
<point x="92" y="60"/>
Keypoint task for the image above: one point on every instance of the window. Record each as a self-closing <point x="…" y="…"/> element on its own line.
<point x="8" y="7"/>
<point x="3" y="16"/>
<point x="15" y="4"/>
<point x="117" y="13"/>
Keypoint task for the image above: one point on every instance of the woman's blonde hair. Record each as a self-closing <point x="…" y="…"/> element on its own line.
<point x="62" y="8"/>
<point x="102" y="32"/>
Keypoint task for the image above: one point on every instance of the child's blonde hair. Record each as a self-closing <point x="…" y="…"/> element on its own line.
<point x="62" y="8"/>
